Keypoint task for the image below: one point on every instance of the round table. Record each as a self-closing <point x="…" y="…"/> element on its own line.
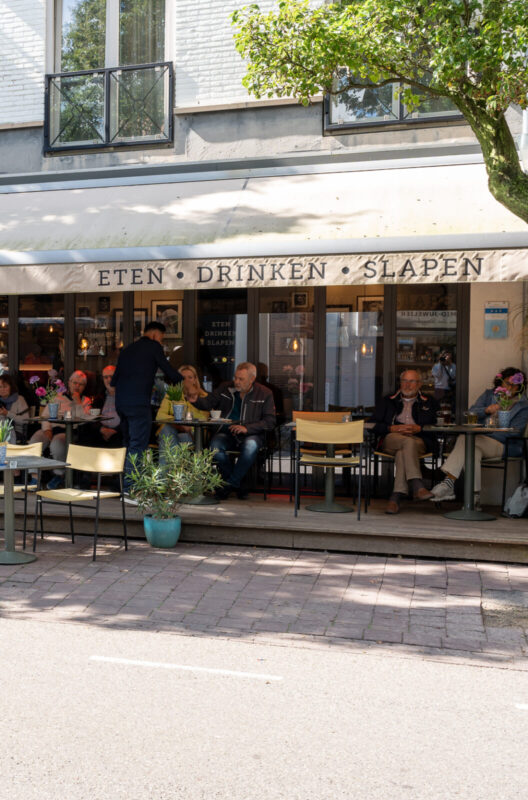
<point x="468" y="511"/>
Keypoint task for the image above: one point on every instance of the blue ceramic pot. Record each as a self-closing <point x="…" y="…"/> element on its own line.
<point x="162" y="532"/>
<point x="53" y="409"/>
<point x="503" y="418"/>
<point x="3" y="454"/>
<point x="178" y="410"/>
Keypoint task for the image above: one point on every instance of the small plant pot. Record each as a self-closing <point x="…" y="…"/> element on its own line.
<point x="3" y="453"/>
<point x="53" y="409"/>
<point x="162" y="532"/>
<point x="178" y="409"/>
<point x="503" y="418"/>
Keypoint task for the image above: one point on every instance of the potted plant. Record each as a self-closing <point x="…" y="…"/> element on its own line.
<point x="175" y="396"/>
<point x="159" y="488"/>
<point x="49" y="395"/>
<point x="506" y="396"/>
<point x="6" y="429"/>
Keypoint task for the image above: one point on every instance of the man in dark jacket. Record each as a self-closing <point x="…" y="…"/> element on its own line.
<point x="399" y="419"/>
<point x="133" y="380"/>
<point x="250" y="407"/>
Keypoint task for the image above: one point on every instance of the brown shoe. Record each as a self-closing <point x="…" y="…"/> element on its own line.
<point x="392" y="507"/>
<point x="423" y="494"/>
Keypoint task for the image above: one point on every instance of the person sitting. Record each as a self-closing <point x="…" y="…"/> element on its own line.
<point x="13" y="406"/>
<point x="105" y="432"/>
<point x="52" y="434"/>
<point x="399" y="419"/>
<point x="513" y="381"/>
<point x="180" y="434"/>
<point x="251" y="409"/>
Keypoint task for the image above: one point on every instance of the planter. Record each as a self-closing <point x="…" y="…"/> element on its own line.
<point x="178" y="409"/>
<point x="3" y="453"/>
<point x="53" y="409"/>
<point x="503" y="418"/>
<point x="162" y="532"/>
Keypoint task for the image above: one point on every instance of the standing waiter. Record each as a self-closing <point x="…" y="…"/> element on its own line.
<point x="133" y="380"/>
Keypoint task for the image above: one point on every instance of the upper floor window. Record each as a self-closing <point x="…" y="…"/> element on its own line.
<point x="112" y="86"/>
<point x="374" y="105"/>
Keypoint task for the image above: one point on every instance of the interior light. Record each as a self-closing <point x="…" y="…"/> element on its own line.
<point x="83" y="344"/>
<point x="363" y="349"/>
<point x="295" y="344"/>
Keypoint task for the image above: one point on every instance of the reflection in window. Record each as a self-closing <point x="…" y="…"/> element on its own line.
<point x="141" y="31"/>
<point x="41" y="335"/>
<point x="98" y="335"/>
<point x="82" y="40"/>
<point x="4" y="332"/>
<point x="221" y="334"/>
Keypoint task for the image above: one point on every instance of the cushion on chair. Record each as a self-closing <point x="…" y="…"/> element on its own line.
<point x="75" y="495"/>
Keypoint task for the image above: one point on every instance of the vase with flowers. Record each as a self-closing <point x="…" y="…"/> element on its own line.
<point x="49" y="395"/>
<point x="507" y="393"/>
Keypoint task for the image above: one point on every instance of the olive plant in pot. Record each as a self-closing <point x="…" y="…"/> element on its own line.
<point x="176" y="397"/>
<point x="159" y="485"/>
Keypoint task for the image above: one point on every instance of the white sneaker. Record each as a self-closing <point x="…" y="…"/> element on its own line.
<point x="130" y="500"/>
<point x="442" y="491"/>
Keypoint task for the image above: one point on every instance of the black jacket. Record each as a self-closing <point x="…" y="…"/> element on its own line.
<point x="135" y="372"/>
<point x="424" y="412"/>
<point x="257" y="412"/>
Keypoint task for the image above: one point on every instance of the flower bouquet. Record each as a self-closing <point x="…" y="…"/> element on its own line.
<point x="507" y="394"/>
<point x="49" y="393"/>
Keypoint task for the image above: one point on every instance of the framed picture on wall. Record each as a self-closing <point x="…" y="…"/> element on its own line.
<point x="370" y="303"/>
<point x="299" y="300"/>
<point x="170" y="315"/>
<point x="279" y="307"/>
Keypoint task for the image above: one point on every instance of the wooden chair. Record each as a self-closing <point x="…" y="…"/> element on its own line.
<point x="16" y="451"/>
<point x="333" y="434"/>
<point x="100" y="461"/>
<point x="314" y="416"/>
<point x="504" y="462"/>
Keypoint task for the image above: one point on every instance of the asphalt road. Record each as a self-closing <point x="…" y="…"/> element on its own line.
<point x="90" y="713"/>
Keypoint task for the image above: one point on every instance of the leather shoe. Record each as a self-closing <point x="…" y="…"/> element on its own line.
<point x="392" y="507"/>
<point x="423" y="494"/>
<point x="224" y="492"/>
<point x="242" y="494"/>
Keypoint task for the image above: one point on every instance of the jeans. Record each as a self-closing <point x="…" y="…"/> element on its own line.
<point x="248" y="447"/>
<point x="136" y="423"/>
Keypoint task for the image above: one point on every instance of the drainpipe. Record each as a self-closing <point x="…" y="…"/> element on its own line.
<point x="523" y="142"/>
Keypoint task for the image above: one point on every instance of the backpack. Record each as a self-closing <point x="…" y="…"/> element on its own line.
<point x="517" y="504"/>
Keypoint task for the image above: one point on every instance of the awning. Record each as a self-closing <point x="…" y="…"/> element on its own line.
<point x="436" y="223"/>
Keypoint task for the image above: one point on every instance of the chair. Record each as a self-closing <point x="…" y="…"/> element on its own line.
<point x="98" y="460"/>
<point x="504" y="462"/>
<point x="315" y="416"/>
<point x="20" y="450"/>
<point x="329" y="434"/>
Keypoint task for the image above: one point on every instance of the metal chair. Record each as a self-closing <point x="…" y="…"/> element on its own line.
<point x="20" y="450"/>
<point x="504" y="462"/>
<point x="330" y="434"/>
<point x="100" y="461"/>
<point x="314" y="416"/>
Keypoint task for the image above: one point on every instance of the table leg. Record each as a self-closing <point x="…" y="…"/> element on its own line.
<point x="329" y="504"/>
<point x="9" y="555"/>
<point x="68" y="479"/>
<point x="201" y="499"/>
<point x="467" y="512"/>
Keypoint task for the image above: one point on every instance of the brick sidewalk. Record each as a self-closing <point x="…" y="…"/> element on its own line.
<point x="437" y="607"/>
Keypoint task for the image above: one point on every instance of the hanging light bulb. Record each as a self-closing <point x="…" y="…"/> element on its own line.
<point x="295" y="344"/>
<point x="83" y="344"/>
<point x="51" y="328"/>
<point x="363" y="349"/>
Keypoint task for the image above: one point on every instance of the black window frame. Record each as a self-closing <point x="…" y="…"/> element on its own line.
<point x="107" y="144"/>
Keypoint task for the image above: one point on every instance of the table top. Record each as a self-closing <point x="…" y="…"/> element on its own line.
<point x="61" y="420"/>
<point x="31" y="462"/>
<point x="194" y="422"/>
<point x="465" y="429"/>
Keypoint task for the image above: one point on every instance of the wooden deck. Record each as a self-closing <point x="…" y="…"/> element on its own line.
<point x="419" y="530"/>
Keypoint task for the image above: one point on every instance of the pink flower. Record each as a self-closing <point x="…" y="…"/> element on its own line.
<point x="40" y="392"/>
<point x="499" y="375"/>
<point x="517" y="378"/>
<point x="501" y="390"/>
<point x="34" y="379"/>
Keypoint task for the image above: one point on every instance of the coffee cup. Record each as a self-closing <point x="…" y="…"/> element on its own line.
<point x="94" y="412"/>
<point x="216" y="413"/>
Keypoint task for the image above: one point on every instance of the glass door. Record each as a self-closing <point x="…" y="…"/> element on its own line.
<point x="221" y="334"/>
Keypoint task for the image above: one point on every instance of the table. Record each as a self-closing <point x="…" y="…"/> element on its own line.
<point x="69" y="425"/>
<point x="9" y="555"/>
<point x="468" y="512"/>
<point x="198" y="425"/>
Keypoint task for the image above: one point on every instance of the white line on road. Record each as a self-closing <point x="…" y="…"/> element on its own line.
<point x="522" y="706"/>
<point x="257" y="675"/>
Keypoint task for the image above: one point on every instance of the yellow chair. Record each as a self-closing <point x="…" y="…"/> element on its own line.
<point x="16" y="451"/>
<point x="330" y="434"/>
<point x="316" y="416"/>
<point x="100" y="461"/>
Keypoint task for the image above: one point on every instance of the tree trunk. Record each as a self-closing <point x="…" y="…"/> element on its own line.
<point x="506" y="180"/>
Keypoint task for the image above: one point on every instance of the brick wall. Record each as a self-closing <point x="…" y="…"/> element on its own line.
<point x="22" y="61"/>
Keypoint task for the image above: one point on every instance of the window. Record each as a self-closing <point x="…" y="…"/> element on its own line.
<point x="374" y="105"/>
<point x="112" y="86"/>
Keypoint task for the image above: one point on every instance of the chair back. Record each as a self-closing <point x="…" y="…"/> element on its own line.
<point x="96" y="459"/>
<point x="308" y="430"/>
<point x="318" y="416"/>
<point x="15" y="450"/>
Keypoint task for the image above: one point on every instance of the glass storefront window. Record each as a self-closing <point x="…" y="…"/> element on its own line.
<point x="167" y="308"/>
<point x="426" y="323"/>
<point x="41" y="335"/>
<point x="4" y="333"/>
<point x="221" y="334"/>
<point x="98" y="335"/>
<point x="354" y="347"/>
<point x="286" y="337"/>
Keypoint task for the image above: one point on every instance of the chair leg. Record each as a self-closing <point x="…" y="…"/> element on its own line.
<point x="41" y="520"/>
<point x="96" y="526"/>
<point x="296" y="509"/>
<point x="25" y="513"/>
<point x="504" y="482"/>
<point x="71" y="523"/>
<point x="359" y="490"/>
<point x="125" y="532"/>
<point x="37" y="500"/>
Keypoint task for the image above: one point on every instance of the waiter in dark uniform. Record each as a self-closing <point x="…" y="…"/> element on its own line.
<point x="133" y="380"/>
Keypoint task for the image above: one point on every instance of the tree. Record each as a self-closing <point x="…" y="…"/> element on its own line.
<point x="470" y="52"/>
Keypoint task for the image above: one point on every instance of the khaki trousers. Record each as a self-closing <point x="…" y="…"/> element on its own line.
<point x="485" y="447"/>
<point x="406" y="451"/>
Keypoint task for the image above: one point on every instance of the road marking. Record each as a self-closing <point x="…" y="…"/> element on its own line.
<point x="160" y="664"/>
<point x="522" y="706"/>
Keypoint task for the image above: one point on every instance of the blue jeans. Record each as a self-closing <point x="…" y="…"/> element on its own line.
<point x="248" y="446"/>
<point x="136" y="423"/>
